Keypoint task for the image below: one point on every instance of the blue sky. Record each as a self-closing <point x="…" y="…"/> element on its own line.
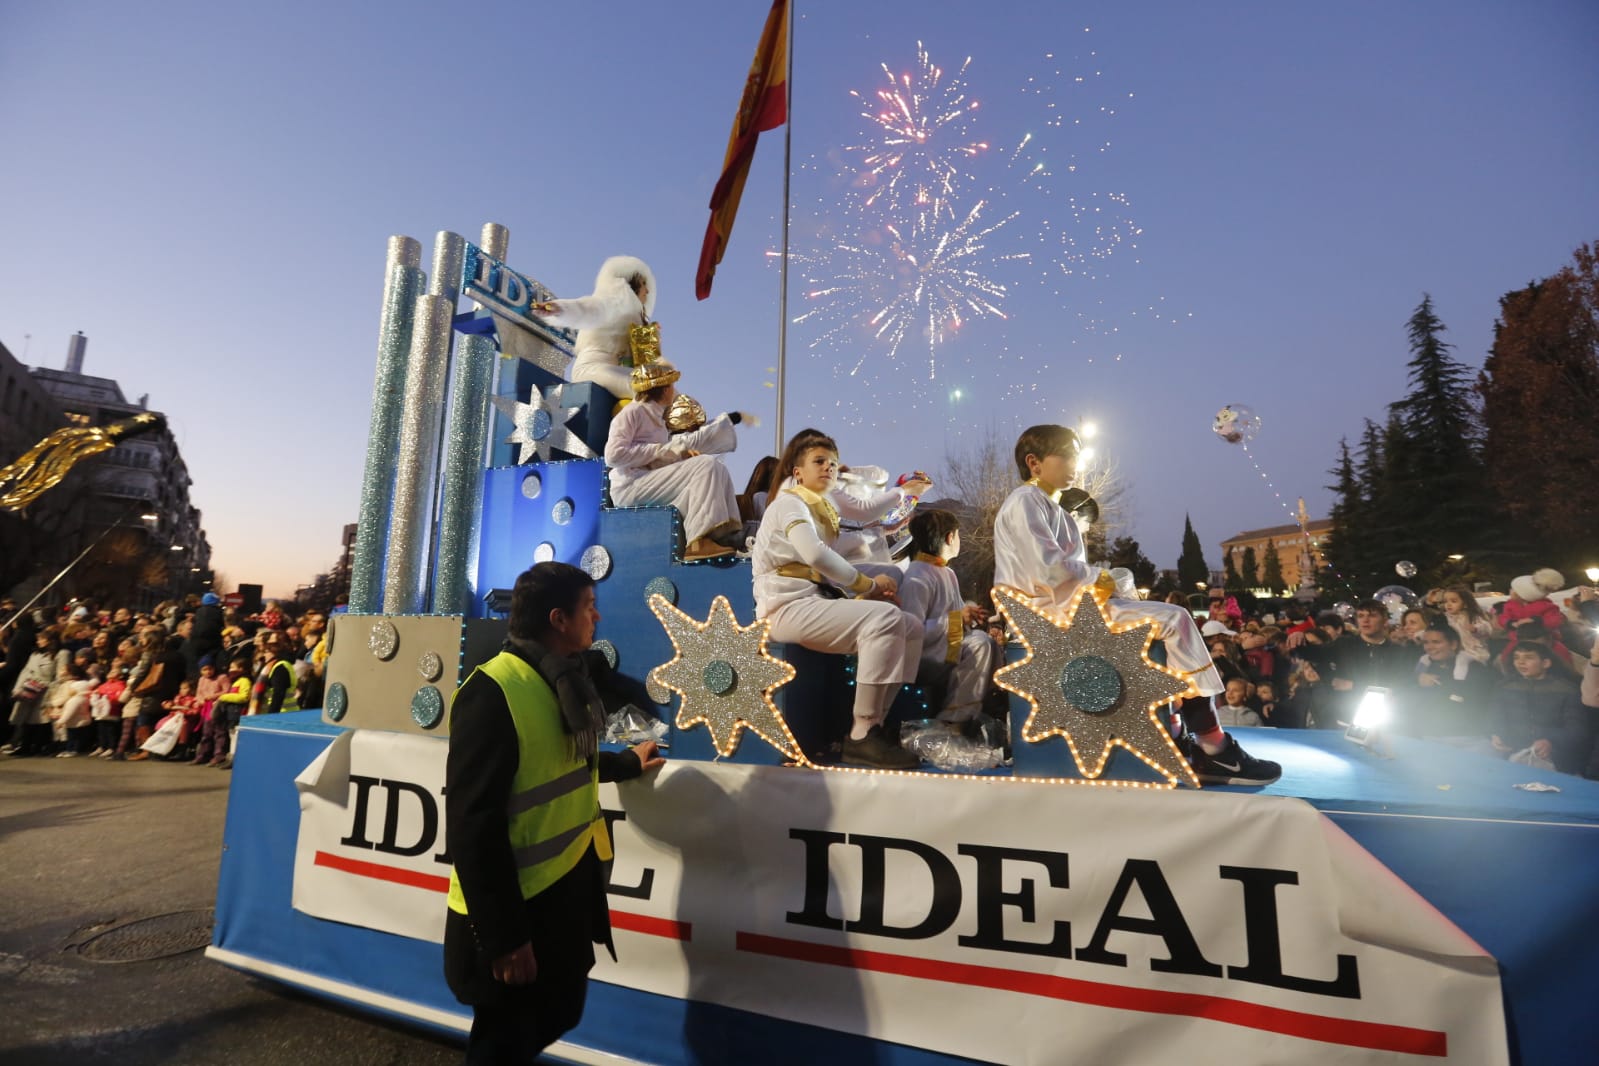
<point x="206" y="190"/>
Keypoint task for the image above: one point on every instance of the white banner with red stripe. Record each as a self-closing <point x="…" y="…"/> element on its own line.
<point x="1004" y="921"/>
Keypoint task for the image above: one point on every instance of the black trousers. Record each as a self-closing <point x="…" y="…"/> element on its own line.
<point x="515" y="1034"/>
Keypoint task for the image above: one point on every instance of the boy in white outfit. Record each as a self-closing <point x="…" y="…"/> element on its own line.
<point x="953" y="631"/>
<point x="1038" y="550"/>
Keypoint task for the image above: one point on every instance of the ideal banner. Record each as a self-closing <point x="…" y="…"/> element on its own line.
<point x="1002" y="920"/>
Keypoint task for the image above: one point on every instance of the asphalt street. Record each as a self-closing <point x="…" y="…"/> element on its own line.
<point x="102" y="862"/>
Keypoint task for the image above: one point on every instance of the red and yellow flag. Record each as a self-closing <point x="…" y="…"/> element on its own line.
<point x="764" y="107"/>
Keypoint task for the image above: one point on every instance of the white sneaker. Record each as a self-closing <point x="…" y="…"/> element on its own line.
<point x="67" y="754"/>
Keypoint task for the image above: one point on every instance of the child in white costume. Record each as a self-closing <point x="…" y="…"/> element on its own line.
<point x="623" y="296"/>
<point x="799" y="580"/>
<point x="864" y="497"/>
<point x="650" y="466"/>
<point x="931" y="592"/>
<point x="1038" y="550"/>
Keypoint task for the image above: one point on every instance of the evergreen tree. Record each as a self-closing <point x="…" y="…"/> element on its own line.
<point x="1235" y="583"/>
<point x="1125" y="551"/>
<point x="1250" y="570"/>
<point x="1540" y="395"/>
<point x="1272" y="570"/>
<point x="1191" y="565"/>
<point x="1436" y="480"/>
<point x="1341" y="548"/>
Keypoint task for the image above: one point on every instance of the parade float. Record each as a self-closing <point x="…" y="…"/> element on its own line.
<point x="1087" y="902"/>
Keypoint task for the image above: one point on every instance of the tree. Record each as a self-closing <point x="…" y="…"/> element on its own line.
<point x="1272" y="570"/>
<point x="1191" y="566"/>
<point x="1234" y="581"/>
<point x="1250" y="570"/>
<point x="1342" y="547"/>
<point x="1125" y="551"/>
<point x="1438" y="487"/>
<point x="1540" y="391"/>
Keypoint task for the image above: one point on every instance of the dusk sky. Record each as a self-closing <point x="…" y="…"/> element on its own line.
<point x="1238" y="203"/>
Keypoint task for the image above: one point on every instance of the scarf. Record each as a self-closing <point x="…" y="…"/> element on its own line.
<point x="582" y="713"/>
<point x="822" y="510"/>
<point x="931" y="560"/>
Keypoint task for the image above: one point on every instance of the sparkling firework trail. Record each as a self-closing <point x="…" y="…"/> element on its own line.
<point x="889" y="283"/>
<point x="920" y="122"/>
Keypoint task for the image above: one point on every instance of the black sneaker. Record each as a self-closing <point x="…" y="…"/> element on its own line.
<point x="877" y="751"/>
<point x="1231" y="766"/>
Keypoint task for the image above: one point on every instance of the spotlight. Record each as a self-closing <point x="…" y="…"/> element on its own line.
<point x="1371" y="717"/>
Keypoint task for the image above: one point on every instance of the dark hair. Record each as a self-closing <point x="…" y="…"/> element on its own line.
<point x="930" y="528"/>
<point x="540" y="589"/>
<point x="1533" y="647"/>
<point x="637" y="281"/>
<point x="794" y="451"/>
<point x="1371" y="605"/>
<point x="1040" y="441"/>
<point x="1468" y="601"/>
<point x="1443" y="629"/>
<point x="1331" y="618"/>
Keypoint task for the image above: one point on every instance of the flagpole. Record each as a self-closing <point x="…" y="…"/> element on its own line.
<point x="782" y="295"/>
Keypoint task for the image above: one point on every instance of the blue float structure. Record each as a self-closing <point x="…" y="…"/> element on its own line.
<point x="773" y="912"/>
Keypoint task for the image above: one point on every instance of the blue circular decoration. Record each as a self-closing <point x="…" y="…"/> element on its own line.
<point x="544" y="553"/>
<point x="541" y="424"/>
<point x="607" y="649"/>
<point x="596" y="562"/>
<point x="661" y="586"/>
<point x="532" y="485"/>
<point x="427" y="707"/>
<point x="1091" y="684"/>
<point x="720" y="677"/>
<point x="561" y="513"/>
<point x="337" y="701"/>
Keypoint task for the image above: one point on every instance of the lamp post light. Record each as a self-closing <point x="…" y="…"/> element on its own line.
<point x="1592" y="574"/>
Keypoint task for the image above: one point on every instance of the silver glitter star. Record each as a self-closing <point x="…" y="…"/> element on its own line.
<point x="725" y="677"/>
<point x="516" y="339"/>
<point x="541" y="425"/>
<point x="1092" y="681"/>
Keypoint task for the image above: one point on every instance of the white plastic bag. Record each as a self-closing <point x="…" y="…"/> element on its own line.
<point x="165" y="737"/>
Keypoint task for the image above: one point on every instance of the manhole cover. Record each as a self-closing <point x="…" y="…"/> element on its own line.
<point x="144" y="939"/>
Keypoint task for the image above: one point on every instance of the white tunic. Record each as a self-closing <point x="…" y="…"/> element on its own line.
<point x="650" y="467"/>
<point x="788" y="534"/>
<point x="932" y="593"/>
<point x="1038" y="550"/>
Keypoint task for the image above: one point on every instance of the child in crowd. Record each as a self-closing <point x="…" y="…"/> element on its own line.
<point x="208" y="688"/>
<point x="1232" y="706"/>
<point x="953" y="633"/>
<point x="188" y="705"/>
<point x="800" y="582"/>
<point x="1038" y="550"/>
<point x="105" y="706"/>
<point x="1467" y="618"/>
<point x="72" y="708"/>
<point x="652" y="467"/>
<point x="225" y="713"/>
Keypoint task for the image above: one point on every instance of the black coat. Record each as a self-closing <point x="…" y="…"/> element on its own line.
<point x="1546" y="709"/>
<point x="565" y="920"/>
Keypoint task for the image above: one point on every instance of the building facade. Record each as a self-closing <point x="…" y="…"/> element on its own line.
<point x="1299" y="555"/>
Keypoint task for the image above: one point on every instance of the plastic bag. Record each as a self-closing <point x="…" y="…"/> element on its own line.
<point x="934" y="742"/>
<point x="165" y="737"/>
<point x="630" y="725"/>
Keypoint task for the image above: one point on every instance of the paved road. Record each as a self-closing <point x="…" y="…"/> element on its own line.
<point x="87" y="845"/>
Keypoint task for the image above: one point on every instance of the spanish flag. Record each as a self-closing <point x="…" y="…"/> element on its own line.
<point x="764" y="107"/>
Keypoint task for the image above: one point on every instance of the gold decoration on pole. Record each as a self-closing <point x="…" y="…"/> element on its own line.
<point x="42" y="467"/>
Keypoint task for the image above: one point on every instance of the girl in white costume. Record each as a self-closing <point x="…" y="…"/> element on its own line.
<point x="799" y="580"/>
<point x="623" y="296"/>
<point x="931" y="592"/>
<point x="652" y="467"/>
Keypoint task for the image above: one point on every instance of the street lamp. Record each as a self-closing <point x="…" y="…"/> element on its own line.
<point x="1593" y="575"/>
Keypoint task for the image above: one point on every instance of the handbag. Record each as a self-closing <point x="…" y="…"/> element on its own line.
<point x="33" y="688"/>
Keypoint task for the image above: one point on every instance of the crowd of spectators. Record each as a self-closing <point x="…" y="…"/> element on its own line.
<point x="1503" y="682"/>
<point x="85" y="680"/>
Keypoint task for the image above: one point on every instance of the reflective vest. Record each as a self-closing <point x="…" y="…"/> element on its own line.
<point x="290" y="701"/>
<point x="554" y="805"/>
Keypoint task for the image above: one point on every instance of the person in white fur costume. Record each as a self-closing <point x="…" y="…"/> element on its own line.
<point x="623" y="297"/>
<point x="651" y="466"/>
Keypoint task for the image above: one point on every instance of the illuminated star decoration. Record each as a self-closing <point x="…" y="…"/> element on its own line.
<point x="724" y="676"/>
<point x="1091" y="680"/>
<point x="541" y="425"/>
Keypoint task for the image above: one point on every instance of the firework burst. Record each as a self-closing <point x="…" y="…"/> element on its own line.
<point x="889" y="283"/>
<point x="920" y="125"/>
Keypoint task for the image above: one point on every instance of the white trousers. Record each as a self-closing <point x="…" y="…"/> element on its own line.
<point x="615" y="379"/>
<point x="1185" y="648"/>
<point x="886" y="641"/>
<point x="699" y="487"/>
<point x="969" y="681"/>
